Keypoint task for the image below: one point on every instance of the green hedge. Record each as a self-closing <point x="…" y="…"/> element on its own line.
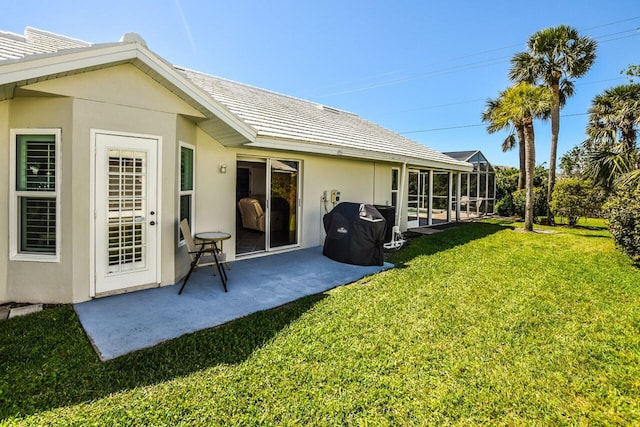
<point x="623" y="210"/>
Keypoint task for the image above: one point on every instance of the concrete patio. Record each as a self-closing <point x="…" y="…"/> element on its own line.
<point x="121" y="324"/>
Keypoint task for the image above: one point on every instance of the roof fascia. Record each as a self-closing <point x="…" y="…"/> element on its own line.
<point x="334" y="151"/>
<point x="169" y="73"/>
<point x="63" y="62"/>
<point x="39" y="66"/>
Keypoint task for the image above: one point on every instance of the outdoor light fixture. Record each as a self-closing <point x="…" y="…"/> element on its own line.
<point x="222" y="167"/>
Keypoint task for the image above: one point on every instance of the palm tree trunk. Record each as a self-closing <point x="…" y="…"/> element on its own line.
<point x="555" y="131"/>
<point x="530" y="164"/>
<point x="522" y="174"/>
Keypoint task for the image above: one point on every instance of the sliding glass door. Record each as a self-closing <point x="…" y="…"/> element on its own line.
<point x="267" y="198"/>
<point x="284" y="203"/>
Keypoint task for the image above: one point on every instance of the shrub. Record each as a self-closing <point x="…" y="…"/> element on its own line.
<point x="505" y="206"/>
<point x="623" y="210"/>
<point x="506" y="181"/>
<point x="573" y="198"/>
<point x="539" y="201"/>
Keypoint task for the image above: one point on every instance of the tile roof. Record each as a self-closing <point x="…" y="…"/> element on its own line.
<point x="34" y="41"/>
<point x="284" y="117"/>
<point x="273" y="116"/>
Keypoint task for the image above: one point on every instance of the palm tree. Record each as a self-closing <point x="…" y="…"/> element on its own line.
<point x="522" y="104"/>
<point x="612" y="132"/>
<point x="511" y="140"/>
<point x="555" y="55"/>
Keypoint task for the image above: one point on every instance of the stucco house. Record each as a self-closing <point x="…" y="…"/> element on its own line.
<point x="106" y="147"/>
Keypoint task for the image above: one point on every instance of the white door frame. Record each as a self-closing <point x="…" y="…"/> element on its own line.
<point x="298" y="204"/>
<point x="267" y="162"/>
<point x="92" y="202"/>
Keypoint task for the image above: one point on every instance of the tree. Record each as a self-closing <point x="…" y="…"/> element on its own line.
<point x="510" y="141"/>
<point x="522" y="104"/>
<point x="573" y="198"/>
<point x="612" y="132"/>
<point x="555" y="55"/>
<point x="631" y="72"/>
<point x="572" y="162"/>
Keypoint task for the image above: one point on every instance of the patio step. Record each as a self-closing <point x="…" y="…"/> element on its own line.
<point x="24" y="310"/>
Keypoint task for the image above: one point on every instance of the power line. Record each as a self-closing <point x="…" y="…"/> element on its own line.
<point x="463" y="67"/>
<point x="431" y="107"/>
<point x="472" y="126"/>
<point x="611" y="23"/>
<point x="469" y="66"/>
<point x="478" y="100"/>
<point x="437" y="129"/>
<point x="471" y="101"/>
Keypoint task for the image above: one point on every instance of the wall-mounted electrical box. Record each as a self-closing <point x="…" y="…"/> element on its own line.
<point x="332" y="196"/>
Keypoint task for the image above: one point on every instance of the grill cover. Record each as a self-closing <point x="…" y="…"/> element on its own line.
<point x="355" y="234"/>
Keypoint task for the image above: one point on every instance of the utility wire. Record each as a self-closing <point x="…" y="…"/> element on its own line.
<point x="472" y="126"/>
<point x="473" y="65"/>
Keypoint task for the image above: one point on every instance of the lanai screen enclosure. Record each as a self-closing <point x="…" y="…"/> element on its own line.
<point x="436" y="197"/>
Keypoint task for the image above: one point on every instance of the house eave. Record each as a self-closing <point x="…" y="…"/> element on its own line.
<point x="345" y="152"/>
<point x="32" y="69"/>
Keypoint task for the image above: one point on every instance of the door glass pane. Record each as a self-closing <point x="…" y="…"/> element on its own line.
<point x="423" y="205"/>
<point x="440" y="196"/>
<point x="126" y="225"/>
<point x="284" y="202"/>
<point x="412" y="201"/>
<point x="394" y="179"/>
<point x="473" y="185"/>
<point x="464" y="187"/>
<point x="492" y="185"/>
<point x="251" y="184"/>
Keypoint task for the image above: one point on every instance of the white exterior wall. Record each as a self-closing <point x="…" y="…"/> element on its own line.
<point x="123" y="99"/>
<point x="357" y="180"/>
<point x="30" y="281"/>
<point x="120" y="99"/>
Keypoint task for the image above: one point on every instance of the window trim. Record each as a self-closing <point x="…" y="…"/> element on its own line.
<point x="192" y="192"/>
<point x="14" y="221"/>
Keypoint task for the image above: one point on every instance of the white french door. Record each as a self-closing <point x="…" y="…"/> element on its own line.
<point x="125" y="211"/>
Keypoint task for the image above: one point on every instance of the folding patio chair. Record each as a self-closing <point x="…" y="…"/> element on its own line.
<point x="193" y="248"/>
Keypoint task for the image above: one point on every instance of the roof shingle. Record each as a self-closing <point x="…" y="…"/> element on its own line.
<point x="281" y="116"/>
<point x="273" y="116"/>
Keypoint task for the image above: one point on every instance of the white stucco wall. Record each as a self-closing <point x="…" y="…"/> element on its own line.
<point x="123" y="99"/>
<point x="118" y="99"/>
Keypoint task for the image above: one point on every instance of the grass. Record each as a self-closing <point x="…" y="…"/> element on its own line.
<point x="477" y="324"/>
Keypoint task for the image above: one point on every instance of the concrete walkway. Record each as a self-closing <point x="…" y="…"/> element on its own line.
<point x="124" y="323"/>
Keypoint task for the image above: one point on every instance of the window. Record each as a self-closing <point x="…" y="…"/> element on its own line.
<point x="187" y="174"/>
<point x="35" y="194"/>
<point x="395" y="183"/>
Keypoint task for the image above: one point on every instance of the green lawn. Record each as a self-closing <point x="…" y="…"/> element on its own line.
<point x="478" y="324"/>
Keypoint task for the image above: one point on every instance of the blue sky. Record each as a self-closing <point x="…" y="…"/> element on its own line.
<point x="421" y="68"/>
